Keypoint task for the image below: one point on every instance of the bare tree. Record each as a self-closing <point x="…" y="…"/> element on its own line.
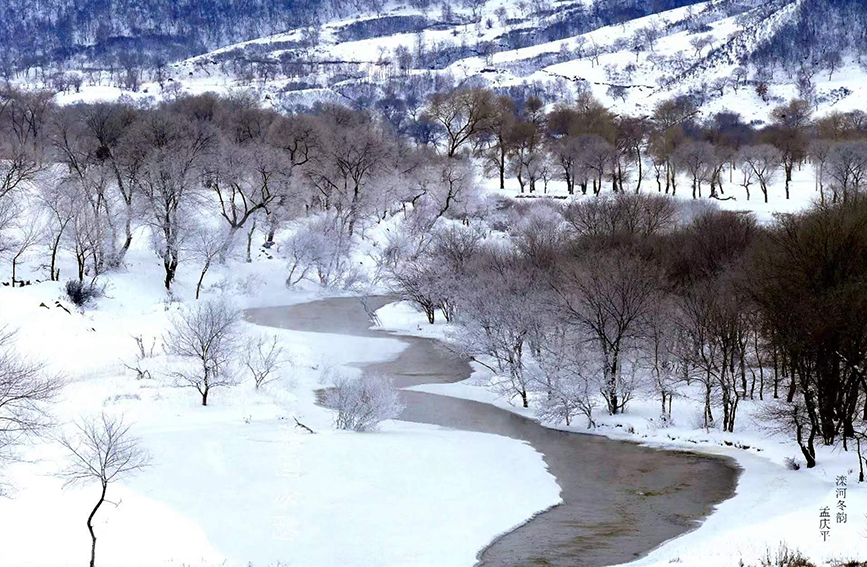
<point x="205" y="337"/>
<point x="608" y="296"/>
<point x="565" y="377"/>
<point x="789" y="133"/>
<point x="322" y="247"/>
<point x="247" y="180"/>
<point x="103" y="451"/>
<point x="497" y="308"/>
<point x="820" y="151"/>
<point x="847" y="166"/>
<point x="27" y="236"/>
<point x="462" y="114"/>
<point x="263" y="358"/>
<point x="700" y="43"/>
<point x="59" y="202"/>
<point x="25" y="392"/>
<point x="660" y="352"/>
<point x="697" y="158"/>
<point x="415" y="279"/>
<point x="206" y="245"/>
<point x="763" y="161"/>
<point x="168" y="182"/>
<point x="18" y="165"/>
<point x="355" y="154"/>
<point x="788" y="418"/>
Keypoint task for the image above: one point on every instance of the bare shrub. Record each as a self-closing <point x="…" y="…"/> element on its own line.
<point x="362" y="403"/>
<point x="81" y="293"/>
<point x="784" y="557"/>
<point x="263" y="359"/>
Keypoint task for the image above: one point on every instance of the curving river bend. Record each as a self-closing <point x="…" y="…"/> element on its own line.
<point x="620" y="500"/>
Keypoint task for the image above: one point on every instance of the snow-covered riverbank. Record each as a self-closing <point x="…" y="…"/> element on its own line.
<point x="236" y="483"/>
<point x="773" y="504"/>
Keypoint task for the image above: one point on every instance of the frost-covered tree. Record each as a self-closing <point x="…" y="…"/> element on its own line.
<point x="246" y="180"/>
<point x="205" y="245"/>
<point x="762" y="161"/>
<point x="263" y="359"/>
<point x="496" y="316"/>
<point x="169" y="181"/>
<point x="361" y="404"/>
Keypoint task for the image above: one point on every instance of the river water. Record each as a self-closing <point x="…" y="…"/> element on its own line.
<point x="620" y="500"/>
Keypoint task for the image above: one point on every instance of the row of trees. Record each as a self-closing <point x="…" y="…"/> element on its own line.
<point x="199" y="173"/>
<point x="601" y="299"/>
<point x="588" y="147"/>
<point x="206" y="173"/>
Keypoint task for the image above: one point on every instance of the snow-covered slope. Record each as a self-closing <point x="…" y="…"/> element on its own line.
<point x="630" y="60"/>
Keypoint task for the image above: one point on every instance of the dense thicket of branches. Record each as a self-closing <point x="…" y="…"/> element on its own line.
<point x="820" y="30"/>
<point x="47" y="30"/>
<point x="606" y="298"/>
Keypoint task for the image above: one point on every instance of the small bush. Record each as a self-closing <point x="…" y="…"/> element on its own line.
<point x="785" y="557"/>
<point x="792" y="464"/>
<point x="81" y="293"/>
<point x="362" y="403"/>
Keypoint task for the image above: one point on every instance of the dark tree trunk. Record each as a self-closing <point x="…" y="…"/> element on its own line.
<point x="90" y="525"/>
<point x="250" y="242"/>
<point x="202" y="277"/>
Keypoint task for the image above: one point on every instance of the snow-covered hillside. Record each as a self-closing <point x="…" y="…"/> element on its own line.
<point x="630" y="66"/>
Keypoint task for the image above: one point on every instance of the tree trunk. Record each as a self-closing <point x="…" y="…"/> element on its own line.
<point x="250" y="242"/>
<point x="502" y="167"/>
<point x="202" y="277"/>
<point x="90" y="524"/>
<point x="53" y="268"/>
<point x="171" y="266"/>
<point x="611" y="385"/>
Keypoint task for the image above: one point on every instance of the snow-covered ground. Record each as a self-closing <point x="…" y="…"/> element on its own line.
<point x="237" y="483"/>
<point x="773" y="505"/>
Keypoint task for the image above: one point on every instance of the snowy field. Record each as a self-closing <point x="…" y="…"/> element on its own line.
<point x="236" y="483"/>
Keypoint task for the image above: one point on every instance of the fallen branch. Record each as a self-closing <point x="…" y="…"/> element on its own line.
<point x="302" y="426"/>
<point x="140" y="374"/>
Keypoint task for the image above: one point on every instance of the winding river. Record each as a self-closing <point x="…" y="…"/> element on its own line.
<point x="620" y="500"/>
